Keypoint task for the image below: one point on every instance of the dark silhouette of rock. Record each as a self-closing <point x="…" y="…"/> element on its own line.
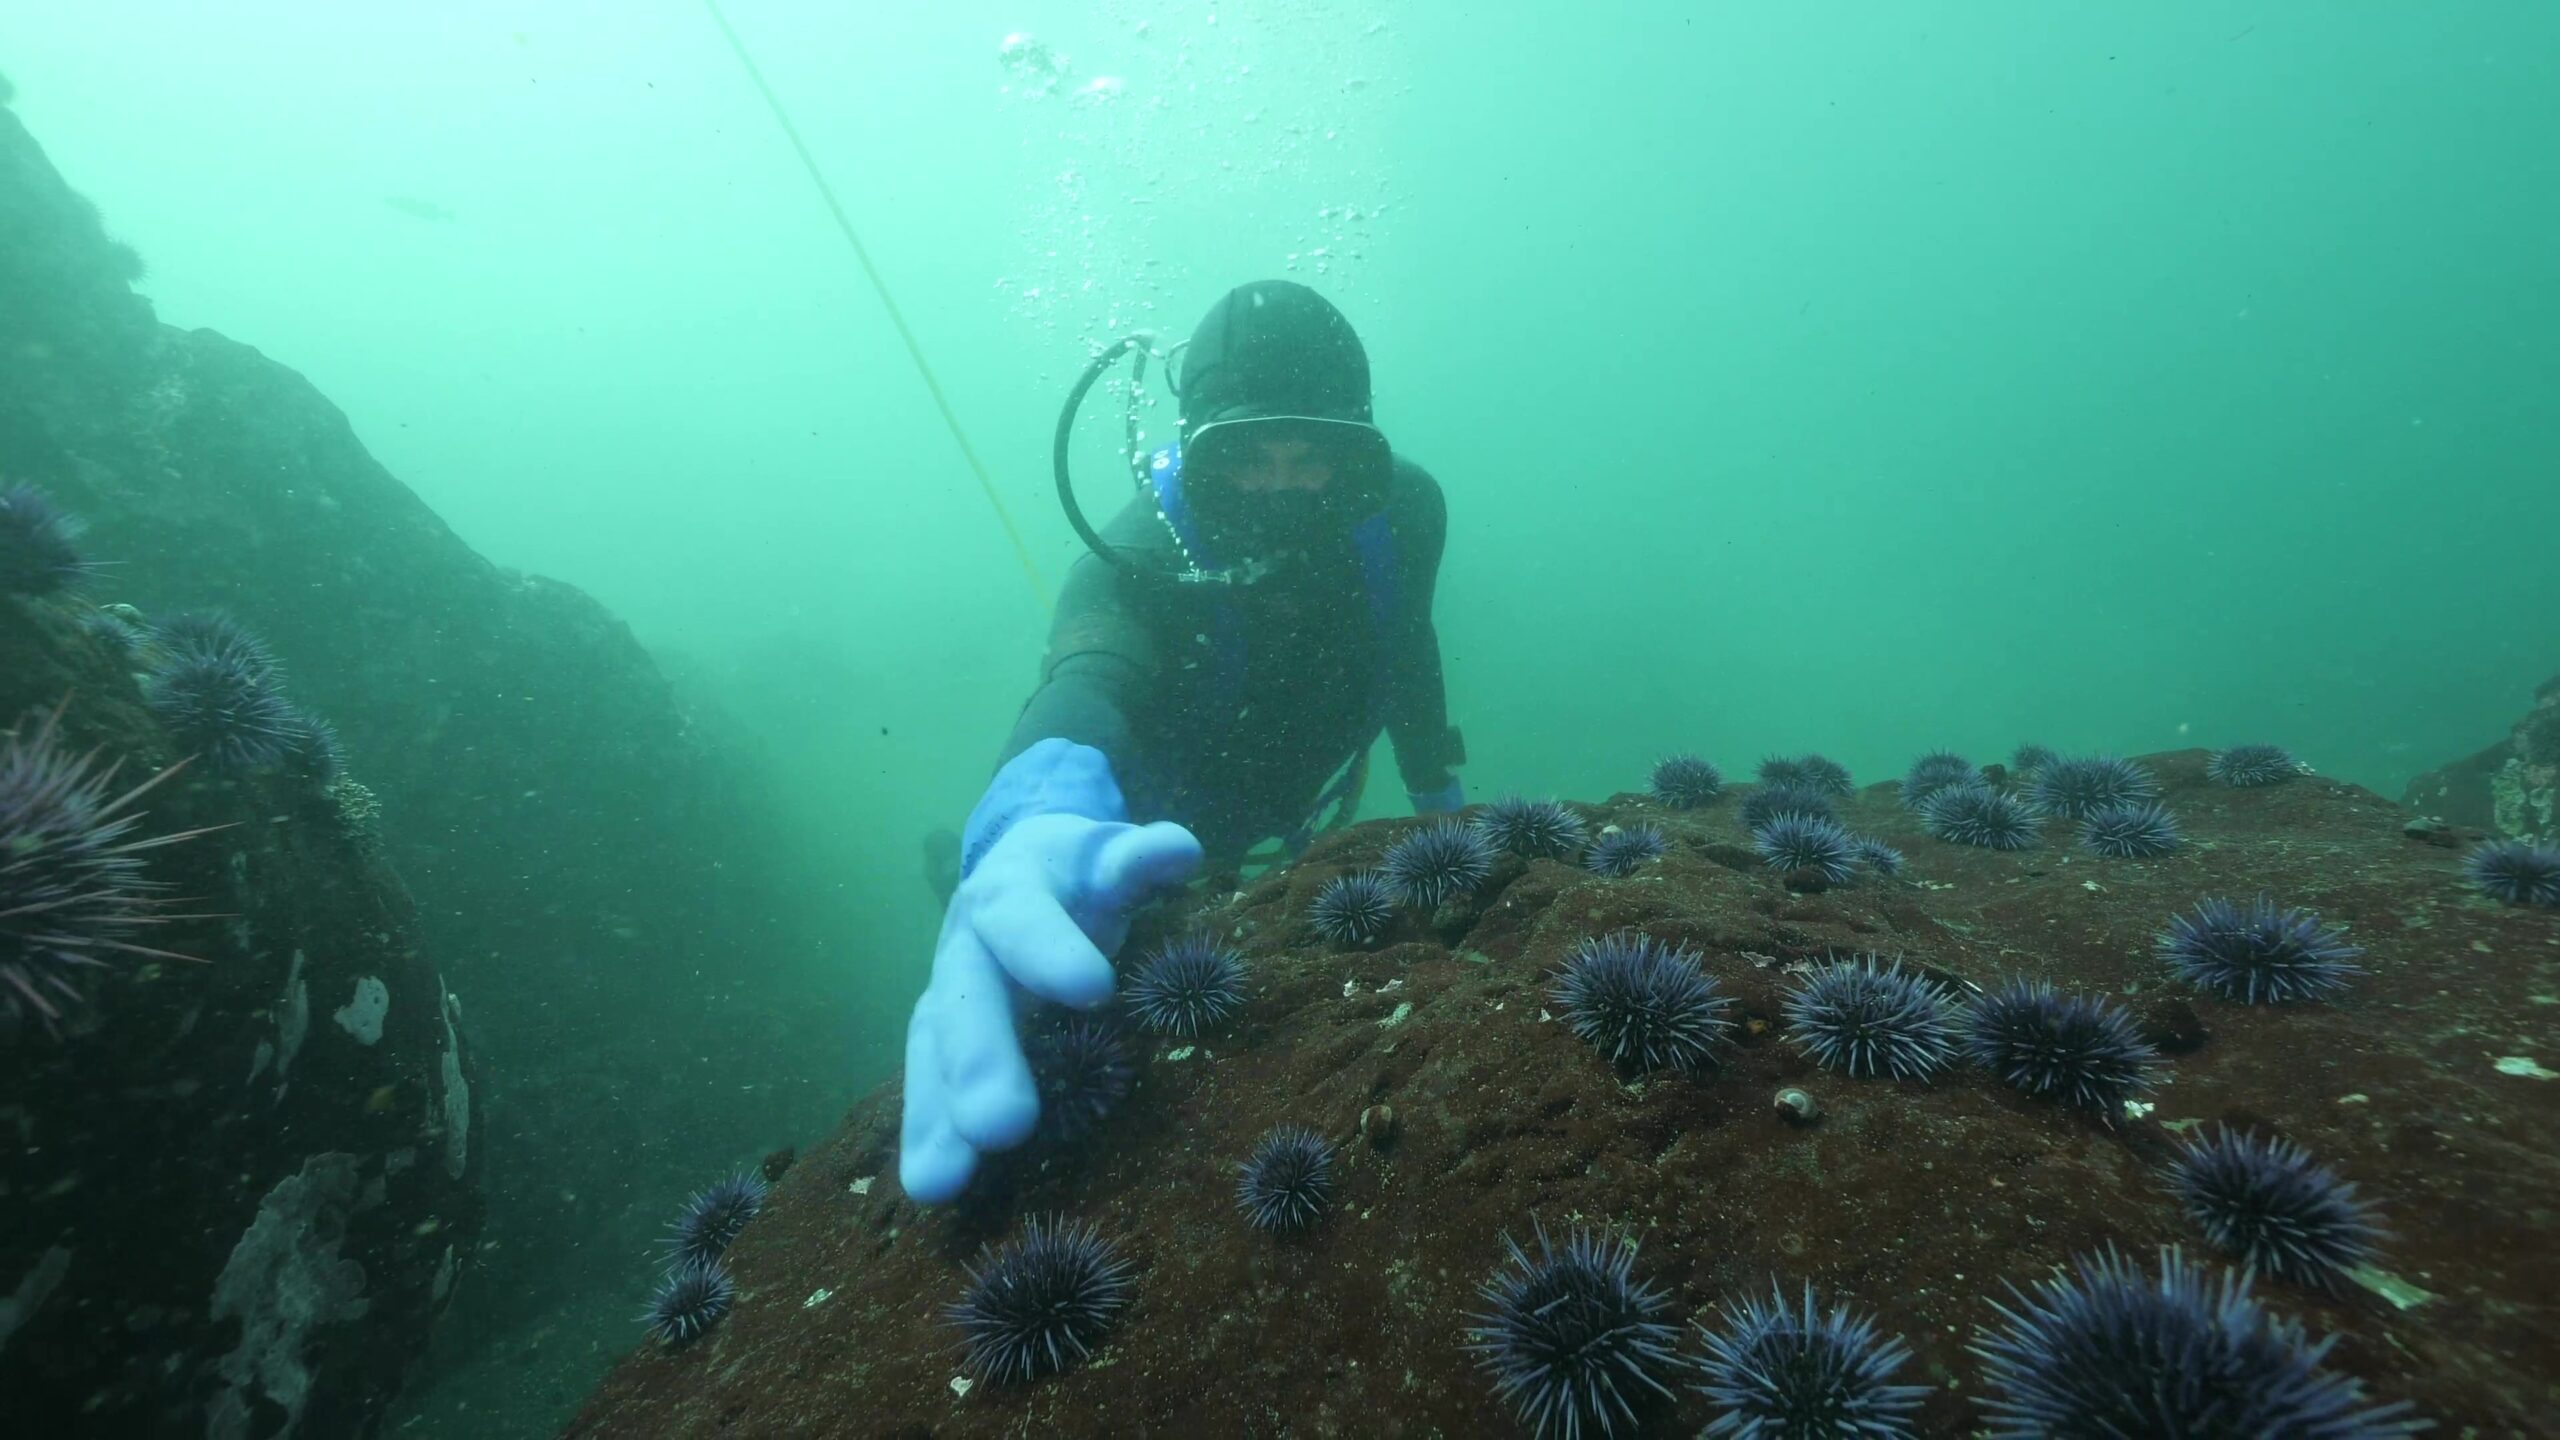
<point x="239" y="1187"/>
<point x="606" y="888"/>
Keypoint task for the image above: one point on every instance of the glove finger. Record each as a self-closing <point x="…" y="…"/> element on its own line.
<point x="1046" y="952"/>
<point x="934" y="1163"/>
<point x="990" y="1098"/>
<point x="1142" y="859"/>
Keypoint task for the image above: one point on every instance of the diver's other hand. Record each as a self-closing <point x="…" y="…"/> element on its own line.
<point x="1446" y="800"/>
<point x="1043" y="909"/>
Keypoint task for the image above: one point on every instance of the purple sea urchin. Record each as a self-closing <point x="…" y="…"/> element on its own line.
<point x="1856" y="1016"/>
<point x="1767" y="802"/>
<point x="1040" y="1303"/>
<point x="38" y="553"/>
<point x="1826" y="775"/>
<point x="216" y="689"/>
<point x="1978" y="815"/>
<point x="1934" y="772"/>
<point x="2515" y="872"/>
<point x="1876" y="855"/>
<point x="1572" y="1337"/>
<point x="2131" y="831"/>
<point x="1780" y="770"/>
<point x="1621" y="853"/>
<point x="691" y="1299"/>
<point x="1186" y="986"/>
<point x="1685" y="782"/>
<point x="2262" y="954"/>
<point x="1083" y="1071"/>
<point x="72" y="885"/>
<point x="713" y="1218"/>
<point x="1532" y="827"/>
<point x="2078" y="1049"/>
<point x="1288" y="1184"/>
<point x="1775" y="1371"/>
<point x="2246" y="766"/>
<point x="1795" y="843"/>
<point x="316" y="752"/>
<point x="1354" y="908"/>
<point x="1643" y="1004"/>
<point x="2113" y="1352"/>
<point x="213" y="633"/>
<point x="2078" y="787"/>
<point x="2268" y="1203"/>
<point x="1437" y="863"/>
<point x="2031" y="758"/>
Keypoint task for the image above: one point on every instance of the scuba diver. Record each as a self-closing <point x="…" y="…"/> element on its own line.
<point x="1216" y="675"/>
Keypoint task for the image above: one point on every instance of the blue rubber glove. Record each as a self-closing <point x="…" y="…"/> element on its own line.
<point x="1445" y="800"/>
<point x="1051" y="869"/>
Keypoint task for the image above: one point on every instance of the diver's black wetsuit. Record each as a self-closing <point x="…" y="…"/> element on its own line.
<point x="1129" y="672"/>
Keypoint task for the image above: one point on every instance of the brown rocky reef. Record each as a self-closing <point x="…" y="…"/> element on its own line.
<point x="240" y="1185"/>
<point x="610" y="891"/>
<point x="1461" y="1109"/>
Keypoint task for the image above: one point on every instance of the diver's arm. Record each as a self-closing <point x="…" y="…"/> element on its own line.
<point x="1097" y="673"/>
<point x="1426" y="746"/>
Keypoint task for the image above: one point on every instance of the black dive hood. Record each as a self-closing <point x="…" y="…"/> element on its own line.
<point x="1271" y="360"/>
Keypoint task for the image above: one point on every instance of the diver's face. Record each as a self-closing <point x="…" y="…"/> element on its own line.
<point x="1275" y="466"/>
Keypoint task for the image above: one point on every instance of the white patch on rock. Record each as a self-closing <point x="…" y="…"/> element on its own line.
<point x="285" y="1279"/>
<point x="362" y="1016"/>
<point x="457" y="1094"/>
<point x="2524" y="1067"/>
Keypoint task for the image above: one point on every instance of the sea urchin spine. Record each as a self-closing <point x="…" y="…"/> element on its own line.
<point x="1041" y="1302"/>
<point x="72" y="885"/>
<point x="2271" y="1206"/>
<point x="1777" y="1370"/>
<point x="1571" y="1337"/>
<point x="2110" y="1351"/>
<point x="2515" y="872"/>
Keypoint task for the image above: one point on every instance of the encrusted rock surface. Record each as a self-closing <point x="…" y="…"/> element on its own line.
<point x="1913" y="1201"/>
<point x="2511" y="788"/>
<point x="238" y="1188"/>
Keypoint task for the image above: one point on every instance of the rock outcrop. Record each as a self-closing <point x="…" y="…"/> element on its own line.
<point x="1460" y="1107"/>
<point x="2511" y="788"/>
<point x="607" y="890"/>
<point x="240" y="1185"/>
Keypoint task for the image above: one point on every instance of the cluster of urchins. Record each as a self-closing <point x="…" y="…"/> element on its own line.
<point x="65" y="833"/>
<point x="1039" y="1302"/>
<point x="1574" y="1339"/>
<point x="696" y="1289"/>
<point x="217" y="687"/>
<point x="2172" y="1350"/>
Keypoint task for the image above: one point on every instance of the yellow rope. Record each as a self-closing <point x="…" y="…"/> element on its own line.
<point x="915" y="352"/>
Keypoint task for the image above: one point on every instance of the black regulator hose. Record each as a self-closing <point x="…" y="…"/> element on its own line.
<point x="1103" y="360"/>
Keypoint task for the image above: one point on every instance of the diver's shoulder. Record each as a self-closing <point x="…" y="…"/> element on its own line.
<point x="1413" y="494"/>
<point x="1409" y="474"/>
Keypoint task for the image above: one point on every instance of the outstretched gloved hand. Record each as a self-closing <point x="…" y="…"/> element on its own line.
<point x="1053" y="869"/>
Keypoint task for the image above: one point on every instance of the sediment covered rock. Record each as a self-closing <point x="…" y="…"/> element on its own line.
<point x="2427" y="1080"/>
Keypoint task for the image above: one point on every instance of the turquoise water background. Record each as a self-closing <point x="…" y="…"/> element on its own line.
<point x="1800" y="377"/>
